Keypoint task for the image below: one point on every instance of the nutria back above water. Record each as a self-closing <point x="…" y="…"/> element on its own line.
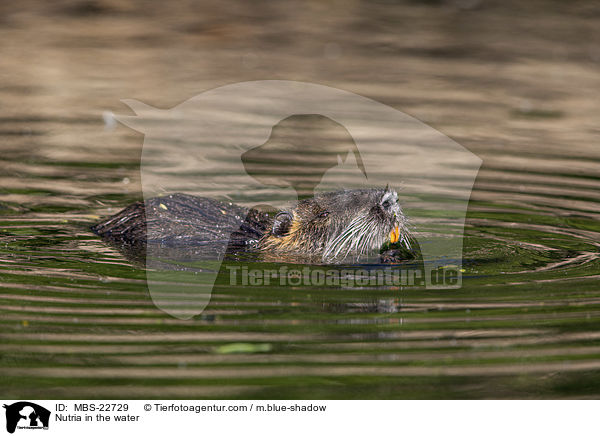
<point x="329" y="226"/>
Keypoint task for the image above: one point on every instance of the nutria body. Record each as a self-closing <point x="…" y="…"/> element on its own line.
<point x="330" y="226"/>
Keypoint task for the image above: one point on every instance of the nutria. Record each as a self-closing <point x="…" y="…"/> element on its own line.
<point x="330" y="226"/>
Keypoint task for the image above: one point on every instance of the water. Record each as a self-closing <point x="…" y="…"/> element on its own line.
<point x="77" y="319"/>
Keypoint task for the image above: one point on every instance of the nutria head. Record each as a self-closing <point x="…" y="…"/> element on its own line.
<point x="337" y="224"/>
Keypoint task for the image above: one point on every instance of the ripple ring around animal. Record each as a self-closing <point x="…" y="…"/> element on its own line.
<point x="326" y="228"/>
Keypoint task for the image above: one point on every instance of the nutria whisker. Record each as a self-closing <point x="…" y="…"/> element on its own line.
<point x="359" y="233"/>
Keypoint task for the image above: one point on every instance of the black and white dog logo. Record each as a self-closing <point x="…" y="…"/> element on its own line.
<point x="26" y="415"/>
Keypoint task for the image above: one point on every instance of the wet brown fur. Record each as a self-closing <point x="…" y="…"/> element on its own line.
<point x="330" y="225"/>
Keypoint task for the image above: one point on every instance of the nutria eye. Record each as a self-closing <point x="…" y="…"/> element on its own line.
<point x="323" y="214"/>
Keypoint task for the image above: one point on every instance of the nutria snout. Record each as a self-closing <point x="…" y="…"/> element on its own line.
<point x="330" y="226"/>
<point x="338" y="224"/>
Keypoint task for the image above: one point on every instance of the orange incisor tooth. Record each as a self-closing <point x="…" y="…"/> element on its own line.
<point x="395" y="235"/>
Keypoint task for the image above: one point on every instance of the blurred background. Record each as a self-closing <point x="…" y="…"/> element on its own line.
<point x="496" y="76"/>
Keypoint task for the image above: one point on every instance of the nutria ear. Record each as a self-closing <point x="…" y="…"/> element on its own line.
<point x="281" y="224"/>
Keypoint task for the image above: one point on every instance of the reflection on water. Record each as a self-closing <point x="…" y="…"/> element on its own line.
<point x="76" y="315"/>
